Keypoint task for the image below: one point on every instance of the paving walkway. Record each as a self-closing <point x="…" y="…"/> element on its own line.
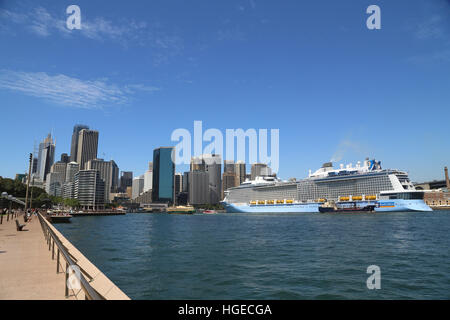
<point x="27" y="270"/>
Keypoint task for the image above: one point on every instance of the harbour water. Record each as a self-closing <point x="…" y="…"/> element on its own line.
<point x="269" y="256"/>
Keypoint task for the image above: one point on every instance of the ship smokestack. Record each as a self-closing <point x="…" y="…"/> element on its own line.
<point x="447" y="181"/>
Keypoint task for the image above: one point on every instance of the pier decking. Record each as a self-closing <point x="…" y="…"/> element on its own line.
<point x="28" y="268"/>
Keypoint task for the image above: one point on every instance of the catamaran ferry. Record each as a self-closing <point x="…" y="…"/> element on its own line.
<point x="366" y="184"/>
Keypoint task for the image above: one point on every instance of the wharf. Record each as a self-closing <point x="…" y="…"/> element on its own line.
<point x="98" y="213"/>
<point x="32" y="267"/>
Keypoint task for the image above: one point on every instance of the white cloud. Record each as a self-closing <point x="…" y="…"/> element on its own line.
<point x="41" y="22"/>
<point x="430" y="29"/>
<point x="68" y="91"/>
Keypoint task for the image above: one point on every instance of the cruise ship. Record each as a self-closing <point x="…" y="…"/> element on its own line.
<point x="367" y="184"/>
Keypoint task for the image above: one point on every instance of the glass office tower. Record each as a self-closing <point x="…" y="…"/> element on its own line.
<point x="163" y="175"/>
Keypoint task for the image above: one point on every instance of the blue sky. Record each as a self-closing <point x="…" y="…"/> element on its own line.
<point x="138" y="70"/>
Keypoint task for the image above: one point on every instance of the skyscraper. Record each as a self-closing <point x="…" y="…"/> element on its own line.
<point x="59" y="167"/>
<point x="87" y="146"/>
<point x="71" y="170"/>
<point x="198" y="187"/>
<point x="229" y="180"/>
<point x="54" y="184"/>
<point x="69" y="185"/>
<point x="163" y="175"/>
<point x="126" y="180"/>
<point x="148" y="177"/>
<point x="240" y="170"/>
<point x="65" y="158"/>
<point x="138" y="187"/>
<point x="260" y="170"/>
<point x="178" y="183"/>
<point x="229" y="166"/>
<point x="107" y="170"/>
<point x="89" y="189"/>
<point x="46" y="157"/>
<point x="74" y="145"/>
<point x="213" y="166"/>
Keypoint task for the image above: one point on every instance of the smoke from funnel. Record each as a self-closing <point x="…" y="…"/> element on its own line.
<point x="343" y="147"/>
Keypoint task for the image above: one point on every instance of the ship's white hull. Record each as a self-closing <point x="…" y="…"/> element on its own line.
<point x="395" y="205"/>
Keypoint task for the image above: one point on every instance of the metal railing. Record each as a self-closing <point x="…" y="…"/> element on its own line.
<point x="52" y="239"/>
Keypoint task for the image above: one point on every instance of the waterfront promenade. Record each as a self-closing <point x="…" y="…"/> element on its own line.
<point x="27" y="270"/>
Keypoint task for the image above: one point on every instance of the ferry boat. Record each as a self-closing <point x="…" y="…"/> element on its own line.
<point x="346" y="207"/>
<point x="367" y="184"/>
<point x="181" y="210"/>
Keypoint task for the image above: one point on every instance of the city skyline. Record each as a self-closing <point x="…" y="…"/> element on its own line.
<point x="136" y="73"/>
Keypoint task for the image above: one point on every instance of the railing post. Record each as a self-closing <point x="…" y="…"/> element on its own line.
<point x="57" y="262"/>
<point x="67" y="278"/>
<point x="53" y="250"/>
<point x="50" y="244"/>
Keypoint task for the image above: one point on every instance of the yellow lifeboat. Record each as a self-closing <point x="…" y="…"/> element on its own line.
<point x="371" y="197"/>
<point x="280" y="201"/>
<point x="289" y="201"/>
<point x="252" y="202"/>
<point x="261" y="202"/>
<point x="356" y="198"/>
<point x="321" y="200"/>
<point x="270" y="202"/>
<point x="344" y="198"/>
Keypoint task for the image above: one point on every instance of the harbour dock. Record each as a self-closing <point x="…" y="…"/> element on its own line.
<point x="34" y="265"/>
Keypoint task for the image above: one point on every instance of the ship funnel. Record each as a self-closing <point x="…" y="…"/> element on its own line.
<point x="327" y="165"/>
<point x="447" y="181"/>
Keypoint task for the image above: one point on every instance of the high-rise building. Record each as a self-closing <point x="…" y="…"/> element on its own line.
<point x="46" y="157"/>
<point x="126" y="180"/>
<point x="229" y="166"/>
<point x="260" y="170"/>
<point x="148" y="178"/>
<point x="71" y="170"/>
<point x="68" y="190"/>
<point x="213" y="166"/>
<point x="186" y="182"/>
<point x="87" y="147"/>
<point x="69" y="185"/>
<point x="59" y="167"/>
<point x="163" y="175"/>
<point x="138" y="187"/>
<point x="34" y="167"/>
<point x="178" y="183"/>
<point x="74" y="145"/>
<point x="197" y="164"/>
<point x="114" y="177"/>
<point x="240" y="171"/>
<point x="107" y="170"/>
<point x="54" y="184"/>
<point x="198" y="187"/>
<point x="89" y="189"/>
<point x="229" y="180"/>
<point x="129" y="192"/>
<point x="65" y="158"/>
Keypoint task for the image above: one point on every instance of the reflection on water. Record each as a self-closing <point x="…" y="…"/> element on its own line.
<point x="269" y="256"/>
